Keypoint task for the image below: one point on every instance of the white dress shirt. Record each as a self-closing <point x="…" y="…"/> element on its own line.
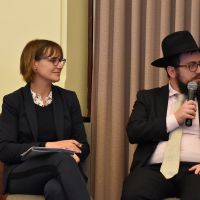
<point x="190" y="142"/>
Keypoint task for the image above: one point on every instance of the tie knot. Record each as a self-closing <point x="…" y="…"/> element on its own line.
<point x="179" y="102"/>
<point x="181" y="98"/>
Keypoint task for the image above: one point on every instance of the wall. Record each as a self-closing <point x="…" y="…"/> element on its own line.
<point x="77" y="49"/>
<point x="24" y="20"/>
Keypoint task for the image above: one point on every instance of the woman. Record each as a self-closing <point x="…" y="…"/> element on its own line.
<point x="44" y="115"/>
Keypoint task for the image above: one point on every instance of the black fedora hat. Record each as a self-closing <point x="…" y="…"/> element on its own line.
<point x="174" y="44"/>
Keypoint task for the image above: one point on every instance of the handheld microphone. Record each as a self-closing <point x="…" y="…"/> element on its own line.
<point x="192" y="87"/>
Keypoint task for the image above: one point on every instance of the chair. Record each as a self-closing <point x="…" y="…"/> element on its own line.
<point x="86" y="167"/>
<point x="173" y="198"/>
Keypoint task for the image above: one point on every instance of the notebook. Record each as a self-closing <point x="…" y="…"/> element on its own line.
<point x="40" y="151"/>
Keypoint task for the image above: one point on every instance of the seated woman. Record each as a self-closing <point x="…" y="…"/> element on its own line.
<point x="44" y="115"/>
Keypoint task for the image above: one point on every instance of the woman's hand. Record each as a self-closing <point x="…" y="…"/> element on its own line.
<point x="195" y="168"/>
<point x="76" y="158"/>
<point x="72" y="145"/>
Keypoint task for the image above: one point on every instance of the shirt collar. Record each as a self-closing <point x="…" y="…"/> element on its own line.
<point x="37" y="99"/>
<point x="172" y="92"/>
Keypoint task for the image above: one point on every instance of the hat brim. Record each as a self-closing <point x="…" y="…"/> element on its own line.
<point x="161" y="62"/>
<point x="165" y="61"/>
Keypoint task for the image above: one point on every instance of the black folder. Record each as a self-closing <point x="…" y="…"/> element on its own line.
<point x="40" y="151"/>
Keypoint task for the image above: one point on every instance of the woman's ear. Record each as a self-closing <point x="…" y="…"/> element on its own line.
<point x="171" y="71"/>
<point x="35" y="65"/>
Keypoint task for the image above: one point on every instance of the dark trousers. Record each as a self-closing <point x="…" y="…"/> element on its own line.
<point x="147" y="183"/>
<point x="57" y="176"/>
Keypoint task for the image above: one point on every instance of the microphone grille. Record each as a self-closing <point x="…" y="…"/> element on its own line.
<point x="192" y="85"/>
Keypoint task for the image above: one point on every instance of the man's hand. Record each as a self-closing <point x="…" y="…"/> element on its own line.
<point x="186" y="111"/>
<point x="195" y="168"/>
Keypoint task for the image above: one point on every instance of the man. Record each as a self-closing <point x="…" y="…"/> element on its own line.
<point x="154" y="121"/>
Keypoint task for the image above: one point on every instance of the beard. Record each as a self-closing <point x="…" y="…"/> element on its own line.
<point x="183" y="86"/>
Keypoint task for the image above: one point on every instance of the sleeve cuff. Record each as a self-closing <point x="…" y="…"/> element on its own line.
<point x="42" y="144"/>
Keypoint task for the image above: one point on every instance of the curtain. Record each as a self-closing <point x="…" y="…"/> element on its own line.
<point x="127" y="38"/>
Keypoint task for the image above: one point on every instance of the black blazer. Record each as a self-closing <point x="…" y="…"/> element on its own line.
<point x="18" y="124"/>
<point x="147" y="123"/>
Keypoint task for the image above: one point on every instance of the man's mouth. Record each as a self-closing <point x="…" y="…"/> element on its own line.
<point x="196" y="79"/>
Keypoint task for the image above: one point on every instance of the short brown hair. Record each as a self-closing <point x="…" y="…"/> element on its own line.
<point x="34" y="51"/>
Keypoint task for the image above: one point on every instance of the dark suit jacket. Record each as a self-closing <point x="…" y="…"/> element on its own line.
<point x="18" y="124"/>
<point x="147" y="123"/>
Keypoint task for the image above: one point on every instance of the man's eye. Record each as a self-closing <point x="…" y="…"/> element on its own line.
<point x="192" y="64"/>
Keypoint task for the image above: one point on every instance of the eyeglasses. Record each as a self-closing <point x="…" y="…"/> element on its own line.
<point x="55" y="60"/>
<point x="192" y="66"/>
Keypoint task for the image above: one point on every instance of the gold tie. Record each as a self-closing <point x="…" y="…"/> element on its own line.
<point x="171" y="159"/>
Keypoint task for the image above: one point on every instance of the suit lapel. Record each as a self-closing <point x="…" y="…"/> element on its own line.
<point x="162" y="101"/>
<point x="30" y="111"/>
<point x="58" y="110"/>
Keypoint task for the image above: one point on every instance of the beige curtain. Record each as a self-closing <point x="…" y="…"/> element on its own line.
<point x="127" y="37"/>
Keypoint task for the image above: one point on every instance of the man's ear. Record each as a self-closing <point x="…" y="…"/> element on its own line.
<point x="171" y="71"/>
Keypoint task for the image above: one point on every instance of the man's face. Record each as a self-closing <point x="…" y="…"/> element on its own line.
<point x="184" y="75"/>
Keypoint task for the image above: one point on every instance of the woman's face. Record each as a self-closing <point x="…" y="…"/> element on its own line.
<point x="48" y="68"/>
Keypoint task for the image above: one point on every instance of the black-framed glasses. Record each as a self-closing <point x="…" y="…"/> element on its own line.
<point x="192" y="66"/>
<point x="55" y="60"/>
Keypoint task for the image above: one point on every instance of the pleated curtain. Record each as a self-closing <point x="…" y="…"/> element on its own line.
<point x="127" y="38"/>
